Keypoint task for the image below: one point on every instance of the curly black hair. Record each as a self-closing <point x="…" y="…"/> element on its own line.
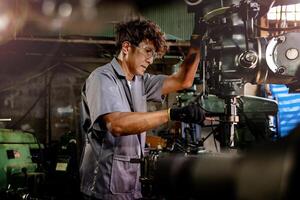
<point x="138" y="30"/>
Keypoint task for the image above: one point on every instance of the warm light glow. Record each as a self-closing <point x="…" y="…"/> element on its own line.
<point x="65" y="10"/>
<point x="48" y="7"/>
<point x="4" y="22"/>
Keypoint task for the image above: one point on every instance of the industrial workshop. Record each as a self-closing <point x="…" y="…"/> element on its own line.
<point x="149" y="100"/>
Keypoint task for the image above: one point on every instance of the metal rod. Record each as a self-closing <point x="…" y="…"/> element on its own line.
<point x="5" y="120"/>
<point x="91" y="41"/>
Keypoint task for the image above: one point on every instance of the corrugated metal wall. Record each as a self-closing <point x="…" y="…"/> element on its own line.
<point x="173" y="19"/>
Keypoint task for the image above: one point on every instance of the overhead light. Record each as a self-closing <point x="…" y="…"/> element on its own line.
<point x="48" y="7"/>
<point x="65" y="10"/>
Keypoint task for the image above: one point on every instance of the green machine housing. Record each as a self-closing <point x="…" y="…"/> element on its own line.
<point x="16" y="165"/>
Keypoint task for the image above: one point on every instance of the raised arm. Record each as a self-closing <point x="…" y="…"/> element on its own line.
<point x="185" y="76"/>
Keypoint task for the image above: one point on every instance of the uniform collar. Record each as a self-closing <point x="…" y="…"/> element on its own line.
<point x="117" y="67"/>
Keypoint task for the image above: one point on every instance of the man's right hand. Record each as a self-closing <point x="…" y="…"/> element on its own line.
<point x="192" y="113"/>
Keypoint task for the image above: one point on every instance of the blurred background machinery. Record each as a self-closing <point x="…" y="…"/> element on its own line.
<point x="20" y="173"/>
<point x="49" y="47"/>
<point x="28" y="170"/>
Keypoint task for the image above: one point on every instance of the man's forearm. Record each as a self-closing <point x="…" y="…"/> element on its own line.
<point x="189" y="67"/>
<point x="129" y="123"/>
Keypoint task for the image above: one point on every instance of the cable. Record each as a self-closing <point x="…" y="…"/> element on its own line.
<point x="12" y="86"/>
<point x="212" y="132"/>
<point x="34" y="104"/>
<point x="76" y="68"/>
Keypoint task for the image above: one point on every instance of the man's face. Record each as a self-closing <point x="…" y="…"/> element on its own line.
<point x="140" y="57"/>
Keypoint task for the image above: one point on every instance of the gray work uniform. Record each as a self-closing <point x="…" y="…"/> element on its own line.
<point x="106" y="171"/>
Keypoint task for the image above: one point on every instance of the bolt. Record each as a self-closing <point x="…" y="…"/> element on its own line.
<point x="250" y="57"/>
<point x="281" y="70"/>
<point x="280" y="39"/>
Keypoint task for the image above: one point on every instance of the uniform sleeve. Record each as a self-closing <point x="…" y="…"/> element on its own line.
<point x="103" y="96"/>
<point x="153" y="86"/>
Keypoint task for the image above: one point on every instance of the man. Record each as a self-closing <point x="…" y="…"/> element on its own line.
<point x="115" y="115"/>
